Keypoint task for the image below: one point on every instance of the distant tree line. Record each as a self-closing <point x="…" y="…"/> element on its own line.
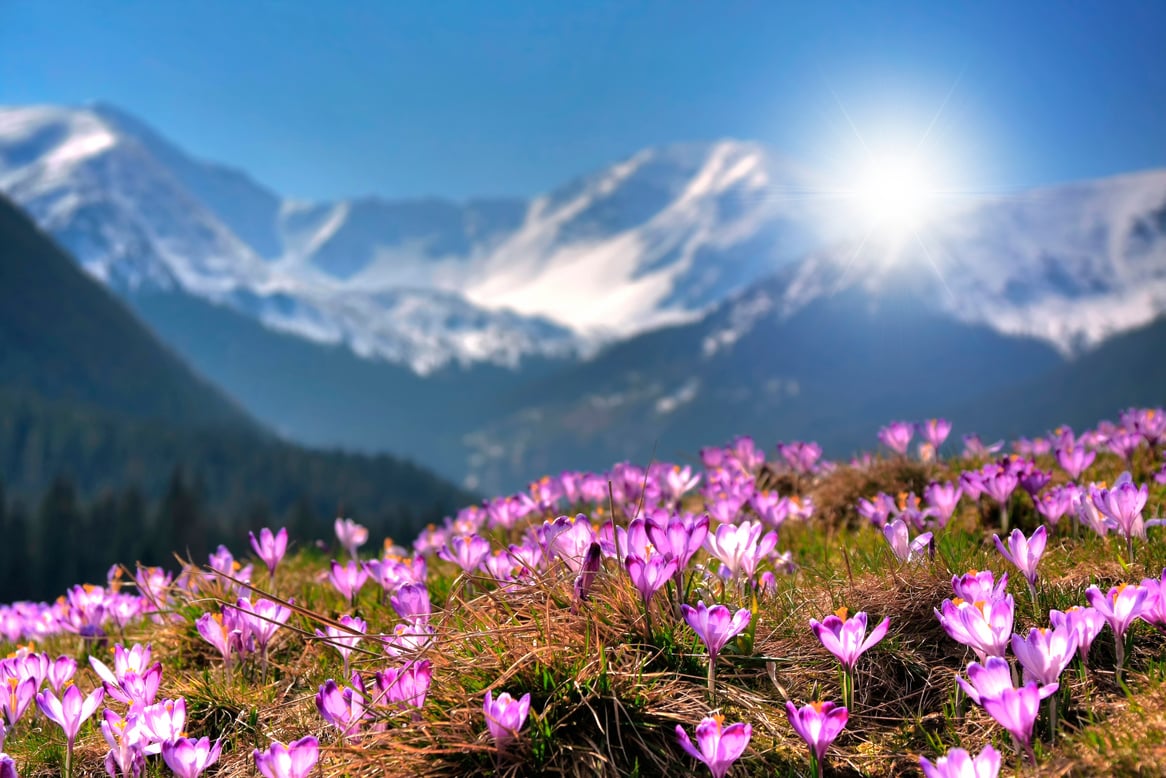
<point x="61" y="539"/>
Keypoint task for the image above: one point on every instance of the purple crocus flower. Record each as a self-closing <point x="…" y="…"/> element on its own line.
<point x="650" y="573"/>
<point x="984" y="626"/>
<point x="715" y="626"/>
<point x="1075" y="460"/>
<point x="501" y="567"/>
<point x="1055" y="503"/>
<point x="897" y="436"/>
<point x="405" y="687"/>
<point x="69" y="712"/>
<point x="61" y="671"/>
<point x="1086" y="624"/>
<point x="745" y="451"/>
<point x="942" y="499"/>
<point x="1150" y="423"/>
<point x="342" y="707"/>
<point x="717" y="746"/>
<point x="592" y="561"/>
<point x="411" y="602"/>
<point x="136" y="690"/>
<point x="1119" y="607"/>
<point x="215" y="631"/>
<point x="223" y="562"/>
<point x="270" y="547"/>
<point x="466" y="551"/>
<point x="725" y="506"/>
<point x="7" y="767"/>
<point x="164" y="721"/>
<point x="1024" y="553"/>
<point x="294" y="760"/>
<point x="818" y="723"/>
<point x="1087" y="513"/>
<point x="905" y="550"/>
<point x="958" y="763"/>
<point x="879" y="510"/>
<point x="676" y="481"/>
<point x="351" y="535"/>
<point x="1154" y="612"/>
<point x="1123" y="505"/>
<point x="846" y="638"/>
<point x="680" y="537"/>
<point x="999" y="485"/>
<point x="974" y="448"/>
<point x="741" y="547"/>
<point x="263" y="618"/>
<point x="935" y="431"/>
<point x="1016" y="710"/>
<point x="801" y="457"/>
<point x="135" y="659"/>
<point x="346" y="637"/>
<point x="911" y="512"/>
<point x="978" y="585"/>
<point x="1045" y="653"/>
<point x="771" y="508"/>
<point x="348" y="578"/>
<point x="1124" y="444"/>
<point x="986" y="680"/>
<point x="505" y="716"/>
<point x="189" y="758"/>
<point x="569" y="538"/>
<point x="972" y="483"/>
<point x="128" y="741"/>
<point x="1033" y="479"/>
<point x="408" y="638"/>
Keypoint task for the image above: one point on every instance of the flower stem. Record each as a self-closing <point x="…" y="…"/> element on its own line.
<point x="848" y="689"/>
<point x="1120" y="646"/>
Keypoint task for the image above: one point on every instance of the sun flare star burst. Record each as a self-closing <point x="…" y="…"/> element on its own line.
<point x="894" y="194"/>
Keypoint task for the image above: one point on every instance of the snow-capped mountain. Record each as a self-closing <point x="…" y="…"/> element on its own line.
<point x="1069" y="265"/>
<point x="655" y="239"/>
<point x="142" y="216"/>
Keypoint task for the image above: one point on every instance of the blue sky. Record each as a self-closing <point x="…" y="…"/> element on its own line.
<point x="321" y="100"/>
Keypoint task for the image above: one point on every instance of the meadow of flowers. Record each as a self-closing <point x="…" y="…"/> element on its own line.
<point x="929" y="609"/>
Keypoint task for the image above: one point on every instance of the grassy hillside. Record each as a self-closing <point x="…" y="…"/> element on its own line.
<point x="92" y="406"/>
<point x="614" y="666"/>
<point x="62" y="336"/>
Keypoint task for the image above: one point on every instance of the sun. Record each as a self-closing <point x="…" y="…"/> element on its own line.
<point x="894" y="194"/>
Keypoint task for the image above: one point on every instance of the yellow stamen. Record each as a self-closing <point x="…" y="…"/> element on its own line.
<point x="842" y="613"/>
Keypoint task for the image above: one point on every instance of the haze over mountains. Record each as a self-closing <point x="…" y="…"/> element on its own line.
<point x="680" y="296"/>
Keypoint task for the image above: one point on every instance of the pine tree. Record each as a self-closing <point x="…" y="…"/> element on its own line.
<point x="55" y="547"/>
